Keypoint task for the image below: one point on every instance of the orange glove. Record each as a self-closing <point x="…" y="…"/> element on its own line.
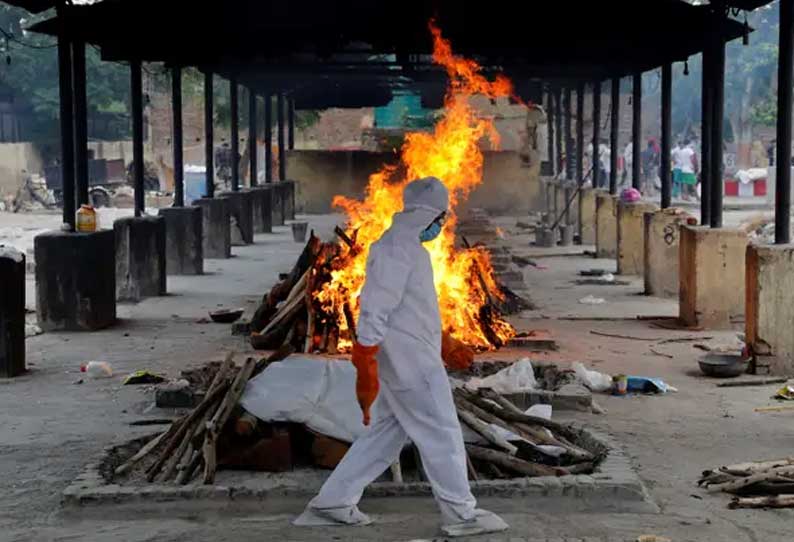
<point x="367" y="385"/>
<point x="456" y="355"/>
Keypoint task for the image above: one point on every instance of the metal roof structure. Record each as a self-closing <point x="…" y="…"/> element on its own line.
<point x="354" y="52"/>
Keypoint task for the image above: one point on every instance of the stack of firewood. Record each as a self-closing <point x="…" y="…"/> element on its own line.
<point x="760" y="484"/>
<point x="291" y="319"/>
<point x="526" y="456"/>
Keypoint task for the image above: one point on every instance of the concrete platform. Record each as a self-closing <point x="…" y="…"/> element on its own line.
<point x="12" y="312"/>
<point x="216" y="227"/>
<point x="263" y="209"/>
<point x="184" y="250"/>
<point x="662" y="234"/>
<point x="586" y="213"/>
<point x="241" y="208"/>
<point x="606" y="238"/>
<point x="711" y="276"/>
<point x="769" y="321"/>
<point x="75" y="280"/>
<point x="631" y="236"/>
<point x="278" y="204"/>
<point x="140" y="257"/>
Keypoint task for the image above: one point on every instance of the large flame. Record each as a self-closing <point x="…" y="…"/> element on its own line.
<point x="451" y="153"/>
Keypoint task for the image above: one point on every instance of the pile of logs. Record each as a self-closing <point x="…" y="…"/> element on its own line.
<point x="526" y="456"/>
<point x="189" y="446"/>
<point x="290" y="319"/>
<point x="760" y="484"/>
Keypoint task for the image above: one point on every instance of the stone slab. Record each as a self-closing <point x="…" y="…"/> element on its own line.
<point x="140" y="257"/>
<point x="631" y="236"/>
<point x="241" y="208"/>
<point x="662" y="233"/>
<point x="12" y="312"/>
<point x="184" y="250"/>
<point x="606" y="239"/>
<point x="263" y="209"/>
<point x="769" y="319"/>
<point x="587" y="216"/>
<point x="711" y="276"/>
<point x="216" y="227"/>
<point x="75" y="280"/>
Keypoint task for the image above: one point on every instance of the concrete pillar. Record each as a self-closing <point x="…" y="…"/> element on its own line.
<point x="278" y="204"/>
<point x="263" y="208"/>
<point x="241" y="207"/>
<point x="289" y="200"/>
<point x="75" y="280"/>
<point x="587" y="216"/>
<point x="711" y="276"/>
<point x="631" y="236"/>
<point x="769" y="313"/>
<point x="12" y="312"/>
<point x="140" y="257"/>
<point x="606" y="228"/>
<point x="662" y="230"/>
<point x="184" y="252"/>
<point x="216" y="227"/>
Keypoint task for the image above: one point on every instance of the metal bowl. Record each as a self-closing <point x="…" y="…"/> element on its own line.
<point x="226" y="316"/>
<point x="723" y="365"/>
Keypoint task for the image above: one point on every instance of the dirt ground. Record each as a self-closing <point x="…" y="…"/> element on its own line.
<point x="50" y="426"/>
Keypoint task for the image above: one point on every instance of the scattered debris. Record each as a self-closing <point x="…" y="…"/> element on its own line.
<point x="241" y="328"/>
<point x="151" y="421"/>
<point x="743" y="383"/>
<point x="591" y="300"/>
<point x="779" y="408"/>
<point x="515" y="378"/>
<point x="31" y="330"/>
<point x="226" y="316"/>
<point x="97" y="369"/>
<point x="534" y="340"/>
<point x="759" y="484"/>
<point x="143" y="377"/>
<point x="594" y="380"/>
<point x="662" y="354"/>
<point x="786" y="393"/>
<point x="177" y="394"/>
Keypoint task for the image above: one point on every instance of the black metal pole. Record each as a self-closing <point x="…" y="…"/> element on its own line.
<point x="80" y="122"/>
<point x="569" y="146"/>
<point x="580" y="133"/>
<point x="176" y="137"/>
<point x="558" y="127"/>
<point x="785" y="74"/>
<point x="268" y="138"/>
<point x="235" y="134"/>
<point x="705" y="140"/>
<point x="67" y="124"/>
<point x="290" y="124"/>
<point x="136" y="94"/>
<point x="253" y="169"/>
<point x="550" y="129"/>
<point x="209" y="158"/>
<point x="636" y="131"/>
<point x="282" y="155"/>
<point x="717" y="120"/>
<point x="614" y="139"/>
<point x="597" y="180"/>
<point x="667" y="134"/>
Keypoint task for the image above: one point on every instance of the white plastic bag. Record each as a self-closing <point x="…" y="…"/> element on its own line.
<point x="594" y="380"/>
<point x="591" y="300"/>
<point x="518" y="377"/>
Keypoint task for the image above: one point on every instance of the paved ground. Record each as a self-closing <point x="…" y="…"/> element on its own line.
<point x="50" y="426"/>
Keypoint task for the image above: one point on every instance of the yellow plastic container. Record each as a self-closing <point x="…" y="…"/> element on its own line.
<point x="86" y="219"/>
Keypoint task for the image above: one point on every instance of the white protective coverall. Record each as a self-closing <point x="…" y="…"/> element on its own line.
<point x="399" y="312"/>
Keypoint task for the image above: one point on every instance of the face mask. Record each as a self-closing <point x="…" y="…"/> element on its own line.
<point x="430" y="232"/>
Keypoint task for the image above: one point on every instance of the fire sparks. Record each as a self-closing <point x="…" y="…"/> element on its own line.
<point x="463" y="277"/>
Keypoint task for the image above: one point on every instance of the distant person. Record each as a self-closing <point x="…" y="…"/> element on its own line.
<point x="689" y="169"/>
<point x="675" y="157"/>
<point x="604" y="160"/>
<point x="628" y="161"/>
<point x="650" y="163"/>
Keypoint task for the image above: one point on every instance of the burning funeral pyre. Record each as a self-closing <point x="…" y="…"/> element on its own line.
<point x="319" y="299"/>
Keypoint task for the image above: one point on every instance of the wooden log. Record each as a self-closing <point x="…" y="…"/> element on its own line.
<point x="585" y="467"/>
<point x="470" y="468"/>
<point x="485" y="431"/>
<point x="140" y="454"/>
<point x="176" y="438"/>
<point x="287" y="312"/>
<point x="503" y="460"/>
<point x="772" y="501"/>
<point x="351" y="322"/>
<point x="333" y="341"/>
<point x="186" y="474"/>
<point x="308" y="345"/>
<point x="354" y="249"/>
<point x="771" y="475"/>
<point x="559" y="429"/>
<point x="215" y="425"/>
<point x="746" y="469"/>
<point x="745" y="383"/>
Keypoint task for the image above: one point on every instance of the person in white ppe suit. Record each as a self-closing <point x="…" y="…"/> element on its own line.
<point x="398" y="360"/>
